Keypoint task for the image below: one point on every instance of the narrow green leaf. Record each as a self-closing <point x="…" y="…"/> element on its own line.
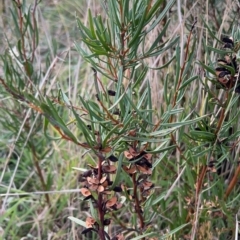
<point x="51" y="111"/>
<point x="142" y="139"/>
<point x="91" y="26"/>
<point x="112" y="131"/>
<point x="45" y="127"/>
<point x="187" y="82"/>
<point x="166" y="95"/>
<point x="65" y="98"/>
<point x="138" y="31"/>
<point x="208" y="69"/>
<point x="190" y="178"/>
<point x="161" y="149"/>
<point x="142" y="98"/>
<point x="111" y="39"/>
<point x="15" y="20"/>
<point x="212" y="34"/>
<point x="153" y="9"/>
<point x="118" y="98"/>
<point x="114" y="16"/>
<point x="161" y="15"/>
<point x="229" y="68"/>
<point x="184" y="122"/>
<point x="171" y="233"/>
<point x="160" y="51"/>
<point x="149" y="98"/>
<point x="140" y="77"/>
<point x="85" y="32"/>
<point x="103" y="41"/>
<point x="221" y="52"/>
<point x="144" y="235"/>
<point x="78" y="221"/>
<point x="159" y="133"/>
<point x="163" y="66"/>
<point x="125" y="12"/>
<point x="159" y="37"/>
<point x="201" y="135"/>
<point x="86" y="132"/>
<point x="137" y="110"/>
<point x="80" y="169"/>
<point x="93" y="210"/>
<point x="178" y="66"/>
<point x="52" y="115"/>
<point x="158" y="199"/>
<point x="118" y="173"/>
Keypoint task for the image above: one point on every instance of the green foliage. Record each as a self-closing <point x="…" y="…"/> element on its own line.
<point x="153" y="140"/>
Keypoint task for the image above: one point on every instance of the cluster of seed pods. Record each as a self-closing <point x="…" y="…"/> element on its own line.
<point x="227" y="70"/>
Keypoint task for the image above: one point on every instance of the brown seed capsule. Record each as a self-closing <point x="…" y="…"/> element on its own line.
<point x="116" y="112"/>
<point x="90" y="222"/>
<point x="106" y="222"/>
<point x="111" y="92"/>
<point x="222" y="62"/>
<point x="85" y="231"/>
<point x="220" y="69"/>
<point x="97" y="97"/>
<point x="117" y="189"/>
<point x="223" y="74"/>
<point x="87" y="173"/>
<point x="89" y="127"/>
<point x="228" y="42"/>
<point x="224" y="77"/>
<point x="85" y="192"/>
<point x="112" y="158"/>
<point x="111" y="202"/>
<point x="109" y="169"/>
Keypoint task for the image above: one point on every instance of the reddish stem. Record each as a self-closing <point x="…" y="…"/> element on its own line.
<point x="101" y="232"/>
<point x="39" y="171"/>
<point x="233" y="182"/>
<point x="137" y="203"/>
